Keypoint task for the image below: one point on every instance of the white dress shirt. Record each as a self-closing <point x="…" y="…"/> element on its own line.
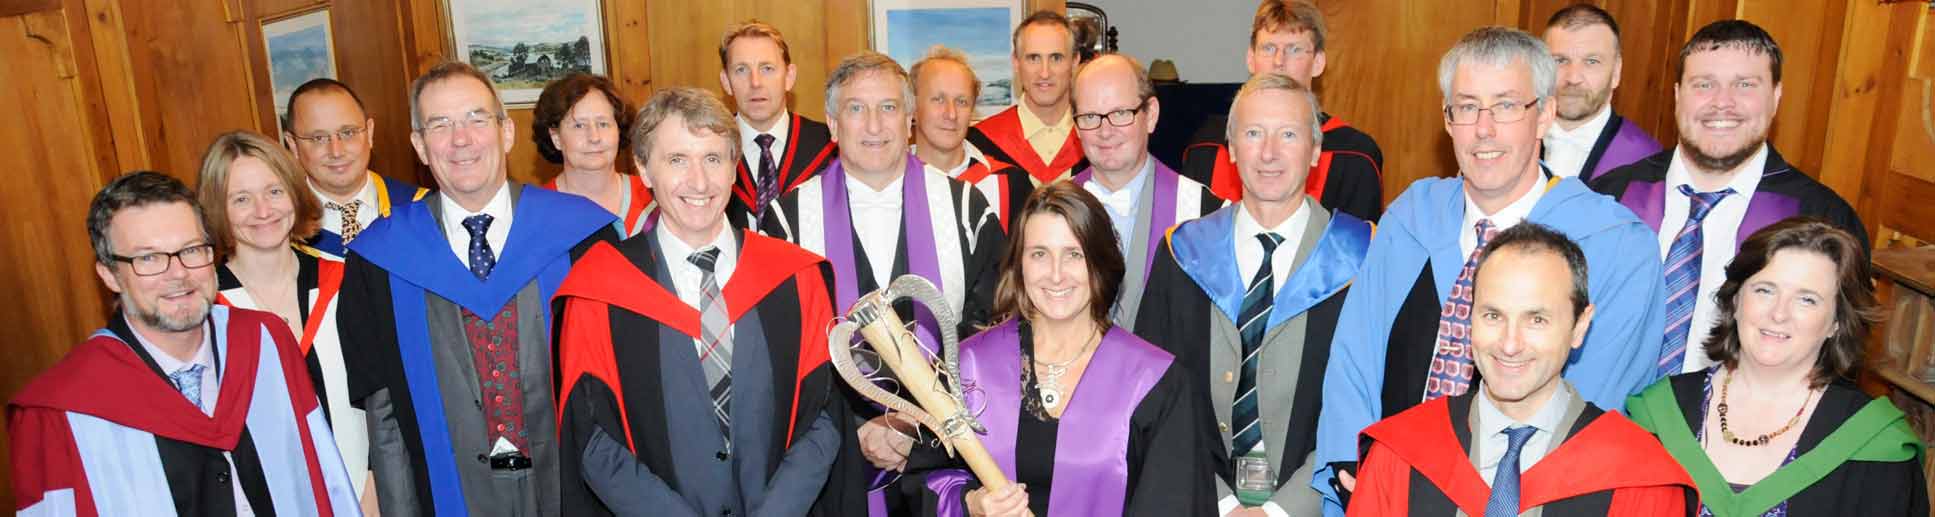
<point x="499" y="208"/>
<point x="1719" y="236"/>
<point x="876" y="219"/>
<point x="1492" y="423"/>
<point x="332" y="219"/>
<point x="749" y="149"/>
<point x="687" y="278"/>
<point x="1505" y="218"/>
<point x="1249" y="251"/>
<point x="1121" y="204"/>
<point x="1566" y="151"/>
<point x="969" y="155"/>
<point x="210" y="395"/>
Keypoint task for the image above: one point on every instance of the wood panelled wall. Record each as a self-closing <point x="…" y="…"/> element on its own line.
<point x="104" y="86"/>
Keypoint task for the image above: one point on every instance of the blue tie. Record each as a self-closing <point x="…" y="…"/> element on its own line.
<point x="481" y="258"/>
<point x="1504" y="501"/>
<point x="1252" y="321"/>
<point x="188" y="380"/>
<point x="1683" y="277"/>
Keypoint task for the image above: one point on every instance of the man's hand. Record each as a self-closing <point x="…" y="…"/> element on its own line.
<point x="1012" y="502"/>
<point x="885" y="440"/>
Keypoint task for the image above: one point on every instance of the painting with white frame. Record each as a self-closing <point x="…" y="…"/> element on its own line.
<point x="299" y="48"/>
<point x="523" y="45"/>
<point x="980" y="29"/>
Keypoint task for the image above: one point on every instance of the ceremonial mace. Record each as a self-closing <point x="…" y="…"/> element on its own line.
<point x="941" y="406"/>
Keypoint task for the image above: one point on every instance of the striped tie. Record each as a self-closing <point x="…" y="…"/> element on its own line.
<point x="188" y="380"/>
<point x="717" y="354"/>
<point x="1683" y="277"/>
<point x="1451" y="364"/>
<point x="1253" y="320"/>
<point x="1504" y="499"/>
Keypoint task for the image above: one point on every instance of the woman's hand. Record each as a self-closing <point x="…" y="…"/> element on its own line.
<point x="1013" y="502"/>
<point x="884" y="441"/>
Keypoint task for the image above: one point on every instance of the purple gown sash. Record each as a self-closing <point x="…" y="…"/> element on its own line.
<point x="916" y="217"/>
<point x="1163" y="212"/>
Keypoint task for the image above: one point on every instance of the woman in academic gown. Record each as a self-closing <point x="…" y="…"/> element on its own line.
<point x="1777" y="426"/>
<point x="1085" y="417"/>
<point x="259" y="208"/>
<point x="580" y="122"/>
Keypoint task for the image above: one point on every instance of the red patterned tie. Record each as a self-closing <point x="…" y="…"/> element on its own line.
<point x="1451" y="363"/>
<point x="493" y="345"/>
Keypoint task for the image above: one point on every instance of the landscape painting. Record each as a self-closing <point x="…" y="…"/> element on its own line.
<point x="980" y="29"/>
<point x="299" y="49"/>
<point x="523" y="45"/>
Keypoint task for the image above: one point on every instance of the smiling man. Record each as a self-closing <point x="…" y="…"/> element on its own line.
<point x="672" y="342"/>
<point x="1722" y="182"/>
<point x="1038" y="133"/>
<point x="448" y="301"/>
<point x="779" y="149"/>
<point x="1403" y="336"/>
<point x="331" y="135"/>
<point x="1588" y="139"/>
<point x="945" y="90"/>
<point x="1525" y="433"/>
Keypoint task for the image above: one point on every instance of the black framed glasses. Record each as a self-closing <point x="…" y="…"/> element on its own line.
<point x="1117" y="118"/>
<point x="151" y="264"/>
<point x="323" y="138"/>
<point x="1503" y="112"/>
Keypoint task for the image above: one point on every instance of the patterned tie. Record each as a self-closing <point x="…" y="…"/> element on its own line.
<point x="1504" y="501"/>
<point x="1683" y="277"/>
<point x="481" y="258"/>
<point x="717" y="343"/>
<point x="348" y="211"/>
<point x="1451" y="363"/>
<point x="188" y="380"/>
<point x="1254" y="319"/>
<point x="768" y="175"/>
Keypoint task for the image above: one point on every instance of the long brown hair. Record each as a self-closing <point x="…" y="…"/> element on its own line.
<point x="1855" y="308"/>
<point x="1090" y="224"/>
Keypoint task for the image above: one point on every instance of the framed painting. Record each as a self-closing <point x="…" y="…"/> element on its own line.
<point x="981" y="29"/>
<point x="300" y="48"/>
<point x="524" y="45"/>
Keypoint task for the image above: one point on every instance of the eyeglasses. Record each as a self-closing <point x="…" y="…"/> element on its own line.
<point x="1504" y="112"/>
<point x="442" y="126"/>
<point x="321" y="138"/>
<point x="1117" y="118"/>
<point x="151" y="264"/>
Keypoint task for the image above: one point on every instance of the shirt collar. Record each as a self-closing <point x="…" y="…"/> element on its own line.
<point x="367" y="195"/>
<point x="860" y="194"/>
<point x="1512" y="213"/>
<point x="1031" y="124"/>
<point x="779" y="131"/>
<point x="1588" y="132"/>
<point x="677" y="250"/>
<point x="1123" y="200"/>
<point x="970" y="156"/>
<point x="1290" y="229"/>
<point x="1493" y="421"/>
<point x="1746" y="178"/>
<point x="204" y="355"/>
<point x="499" y="208"/>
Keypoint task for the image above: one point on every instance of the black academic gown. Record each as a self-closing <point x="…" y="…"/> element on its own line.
<point x="613" y="362"/>
<point x="1348" y="175"/>
<point x="809" y="148"/>
<point x="1784" y="192"/>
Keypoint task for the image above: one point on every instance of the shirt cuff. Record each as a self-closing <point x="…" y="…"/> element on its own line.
<point x="1226" y="505"/>
<point x="1270" y="507"/>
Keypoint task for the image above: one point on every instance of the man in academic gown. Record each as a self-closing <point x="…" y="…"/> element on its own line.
<point x="1721" y="183"/>
<point x="444" y="317"/>
<point x="693" y="358"/>
<point x="779" y="148"/>
<point x="1588" y="138"/>
<point x="945" y="90"/>
<point x="1266" y="409"/>
<point x="1287" y="37"/>
<point x="1524" y="441"/>
<point x="331" y="135"/>
<point x="1115" y="110"/>
<point x="178" y="405"/>
<point x="1401" y="338"/>
<point x="1038" y="134"/>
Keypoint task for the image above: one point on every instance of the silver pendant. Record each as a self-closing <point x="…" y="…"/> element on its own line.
<point x="1050" y="397"/>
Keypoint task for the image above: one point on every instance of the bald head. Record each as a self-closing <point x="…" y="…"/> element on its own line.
<point x="1115" y="110"/>
<point x="1112" y="70"/>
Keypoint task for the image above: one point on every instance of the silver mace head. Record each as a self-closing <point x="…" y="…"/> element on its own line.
<point x="876" y="308"/>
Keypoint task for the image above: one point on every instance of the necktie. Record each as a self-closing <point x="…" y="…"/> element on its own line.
<point x="716" y="357"/>
<point x="188" y="380"/>
<point x="348" y="212"/>
<point x="481" y="257"/>
<point x="1451" y="362"/>
<point x="1254" y="319"/>
<point x="768" y="175"/>
<point x="1683" y="277"/>
<point x="1504" y="500"/>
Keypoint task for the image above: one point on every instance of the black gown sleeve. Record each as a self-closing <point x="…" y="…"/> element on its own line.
<point x="983" y="267"/>
<point x="1171" y="432"/>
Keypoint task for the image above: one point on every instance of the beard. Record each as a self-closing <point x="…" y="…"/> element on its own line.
<point x="1723" y="161"/>
<point x="1589" y="101"/>
<point x="155" y="319"/>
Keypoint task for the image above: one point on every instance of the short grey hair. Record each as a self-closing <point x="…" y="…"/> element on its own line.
<point x="941" y="53"/>
<point x="1499" y="46"/>
<point x="1278" y="82"/>
<point x="854" y="66"/>
<point x="445" y="71"/>
<point x="700" y="109"/>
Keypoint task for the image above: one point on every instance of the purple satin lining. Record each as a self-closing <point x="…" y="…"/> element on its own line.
<point x="949" y="487"/>
<point x="1629" y="145"/>
<point x="1648" y="200"/>
<point x="1166" y="182"/>
<point x="921" y="259"/>
<point x="1091" y="463"/>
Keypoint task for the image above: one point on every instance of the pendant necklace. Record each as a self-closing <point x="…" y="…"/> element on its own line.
<point x="1727" y="433"/>
<point x="1048" y="384"/>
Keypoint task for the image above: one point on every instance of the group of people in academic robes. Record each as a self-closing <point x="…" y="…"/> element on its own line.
<point x="1252" y="333"/>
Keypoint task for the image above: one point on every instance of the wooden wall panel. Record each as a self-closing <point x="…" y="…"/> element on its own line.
<point x="192" y="77"/>
<point x="54" y="142"/>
